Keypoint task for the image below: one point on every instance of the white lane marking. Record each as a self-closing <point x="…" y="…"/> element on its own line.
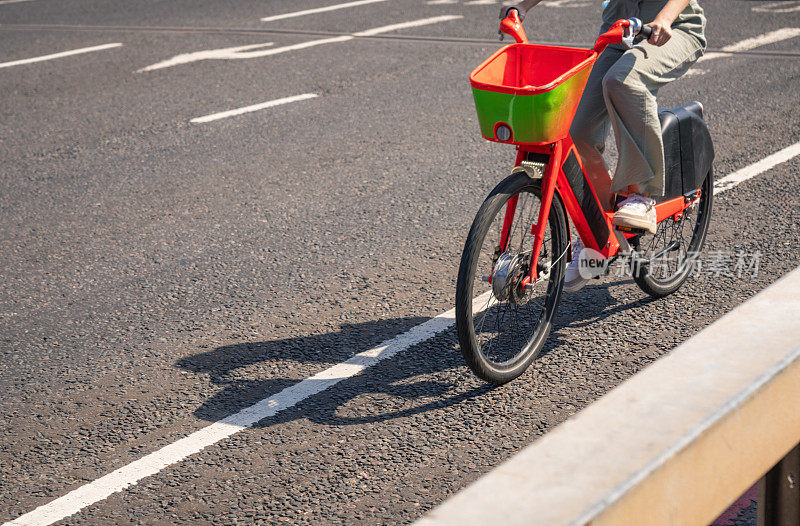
<point x="746" y="45"/>
<point x="254" y="107"/>
<point x="225" y="53"/>
<point x="151" y="464"/>
<point x="319" y="10"/>
<point x="405" y="25"/>
<point x="236" y="53"/>
<point x="748" y="172"/>
<point x="4" y="2"/>
<point x="752" y="43"/>
<point x="545" y="3"/>
<point x="778" y="7"/>
<point x="126" y="476"/>
<point x="59" y="55"/>
<point x="564" y="3"/>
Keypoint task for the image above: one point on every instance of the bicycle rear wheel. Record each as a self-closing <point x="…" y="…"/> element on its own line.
<point x="672" y="251"/>
<point x="502" y="325"/>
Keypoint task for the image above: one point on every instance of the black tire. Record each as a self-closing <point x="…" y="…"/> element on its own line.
<point x="518" y="325"/>
<point x="667" y="273"/>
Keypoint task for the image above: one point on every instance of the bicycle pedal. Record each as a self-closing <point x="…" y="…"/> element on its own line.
<point x="629" y="230"/>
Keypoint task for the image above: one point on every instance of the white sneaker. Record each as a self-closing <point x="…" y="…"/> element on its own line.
<point x="637" y="211"/>
<point x="573" y="280"/>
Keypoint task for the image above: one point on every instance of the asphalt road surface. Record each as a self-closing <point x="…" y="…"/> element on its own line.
<point x="159" y="275"/>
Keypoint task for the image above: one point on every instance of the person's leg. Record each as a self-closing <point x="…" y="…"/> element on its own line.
<point x="629" y="88"/>
<point x="590" y="127"/>
<point x="588" y="131"/>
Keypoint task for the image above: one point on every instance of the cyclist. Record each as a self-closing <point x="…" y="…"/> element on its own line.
<point x="622" y="90"/>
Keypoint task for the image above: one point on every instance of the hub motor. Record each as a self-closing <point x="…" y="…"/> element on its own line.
<point x="509" y="271"/>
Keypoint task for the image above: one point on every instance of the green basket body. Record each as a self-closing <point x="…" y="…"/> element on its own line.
<point x="532" y="89"/>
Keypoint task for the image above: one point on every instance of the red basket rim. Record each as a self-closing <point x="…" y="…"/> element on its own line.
<point x="531" y="90"/>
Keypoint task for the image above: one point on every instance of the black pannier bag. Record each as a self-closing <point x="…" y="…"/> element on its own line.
<point x="688" y="151"/>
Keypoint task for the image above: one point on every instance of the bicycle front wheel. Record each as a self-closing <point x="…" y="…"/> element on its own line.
<point x="501" y="324"/>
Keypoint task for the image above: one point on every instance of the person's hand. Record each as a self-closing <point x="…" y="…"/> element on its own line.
<point x="662" y="32"/>
<point x="506" y="6"/>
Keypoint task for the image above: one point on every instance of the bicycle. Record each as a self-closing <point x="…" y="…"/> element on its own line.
<point x="512" y="268"/>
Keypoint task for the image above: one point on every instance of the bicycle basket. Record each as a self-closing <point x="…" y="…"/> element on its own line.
<point x="531" y="89"/>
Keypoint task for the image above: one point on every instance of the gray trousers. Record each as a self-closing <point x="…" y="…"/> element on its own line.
<point x="622" y="89"/>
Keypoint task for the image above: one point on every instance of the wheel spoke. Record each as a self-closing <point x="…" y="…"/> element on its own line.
<point x="515" y="321"/>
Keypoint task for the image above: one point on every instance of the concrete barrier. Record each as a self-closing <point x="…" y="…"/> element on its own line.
<point x="675" y="444"/>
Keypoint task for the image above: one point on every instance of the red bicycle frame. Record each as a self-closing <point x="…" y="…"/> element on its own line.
<point x="564" y="173"/>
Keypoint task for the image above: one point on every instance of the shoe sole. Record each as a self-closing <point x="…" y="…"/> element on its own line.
<point x="574" y="285"/>
<point x="634" y="222"/>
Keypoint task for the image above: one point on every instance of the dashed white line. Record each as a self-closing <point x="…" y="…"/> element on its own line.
<point x="254" y="107"/>
<point x="564" y="3"/>
<point x="59" y="55"/>
<point x="752" y="43"/>
<point x="406" y="25"/>
<point x="747" y="44"/>
<point x="748" y="172"/>
<point x="226" y="53"/>
<point x="545" y="3"/>
<point x="319" y="10"/>
<point x="778" y="7"/>
<point x="4" y="2"/>
<point x="155" y="462"/>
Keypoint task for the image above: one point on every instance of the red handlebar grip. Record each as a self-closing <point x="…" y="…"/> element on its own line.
<point x="512" y="25"/>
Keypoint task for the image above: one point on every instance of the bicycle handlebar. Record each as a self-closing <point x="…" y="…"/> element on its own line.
<point x="638" y="29"/>
<point x="512" y="25"/>
<point x="622" y="31"/>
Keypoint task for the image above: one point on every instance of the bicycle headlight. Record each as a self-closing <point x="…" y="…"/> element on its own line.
<point x="503" y="133"/>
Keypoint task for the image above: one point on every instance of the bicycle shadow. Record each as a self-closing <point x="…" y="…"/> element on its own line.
<point x="427" y="376"/>
<point x="252" y="371"/>
<point x="586" y="307"/>
<point x="593" y="303"/>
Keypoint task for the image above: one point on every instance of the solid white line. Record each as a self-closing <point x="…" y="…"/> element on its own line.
<point x="59" y="55"/>
<point x="151" y="464"/>
<point x="126" y="476"/>
<point x="254" y="107"/>
<point x="4" y="2"/>
<point x="319" y="10"/>
<point x="748" y="172"/>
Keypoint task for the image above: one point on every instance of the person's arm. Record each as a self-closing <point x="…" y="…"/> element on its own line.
<point x="662" y="23"/>
<point x="523" y="7"/>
